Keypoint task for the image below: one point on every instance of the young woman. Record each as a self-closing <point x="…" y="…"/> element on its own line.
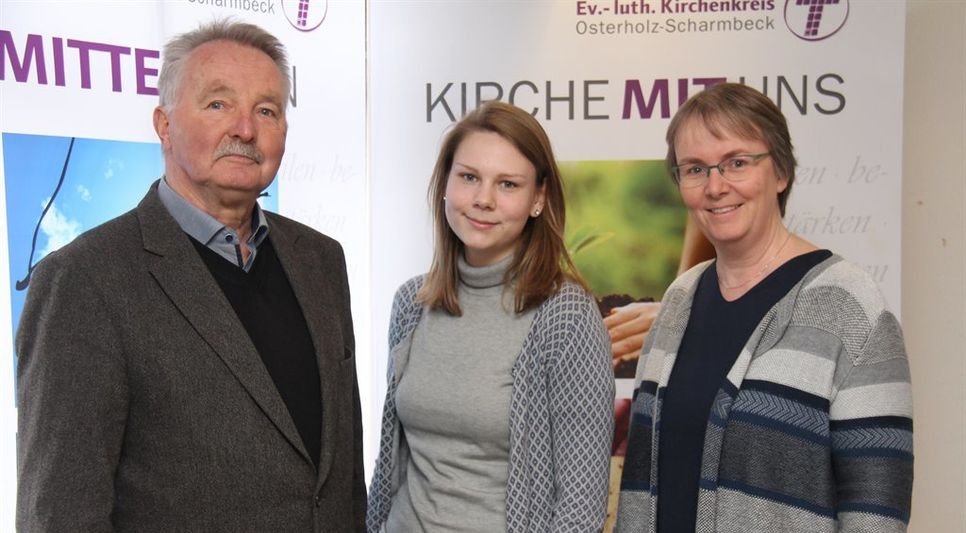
<point x="499" y="408"/>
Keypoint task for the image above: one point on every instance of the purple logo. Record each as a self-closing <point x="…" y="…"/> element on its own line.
<point x="305" y="15"/>
<point x="814" y="20"/>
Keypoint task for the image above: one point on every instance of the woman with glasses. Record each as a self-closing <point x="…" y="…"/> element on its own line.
<point x="772" y="393"/>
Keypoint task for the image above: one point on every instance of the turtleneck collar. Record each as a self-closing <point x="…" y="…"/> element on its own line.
<point x="483" y="277"/>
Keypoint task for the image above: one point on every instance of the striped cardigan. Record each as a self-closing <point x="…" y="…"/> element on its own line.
<point x="811" y="430"/>
<point x="561" y="417"/>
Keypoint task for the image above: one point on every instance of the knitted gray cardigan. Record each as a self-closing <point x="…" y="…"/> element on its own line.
<point x="561" y="417"/>
<point x="811" y="430"/>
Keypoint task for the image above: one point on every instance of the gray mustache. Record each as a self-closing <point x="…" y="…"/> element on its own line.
<point x="234" y="147"/>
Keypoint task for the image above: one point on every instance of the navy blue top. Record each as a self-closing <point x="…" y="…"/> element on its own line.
<point x="717" y="330"/>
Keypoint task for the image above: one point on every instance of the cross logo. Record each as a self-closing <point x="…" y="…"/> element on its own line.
<point x="305" y="15"/>
<point x="814" y="20"/>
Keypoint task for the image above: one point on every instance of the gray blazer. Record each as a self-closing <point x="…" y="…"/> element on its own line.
<point x="144" y="406"/>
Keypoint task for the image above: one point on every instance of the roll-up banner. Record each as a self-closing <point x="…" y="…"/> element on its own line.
<point x="604" y="78"/>
<point x="78" y="85"/>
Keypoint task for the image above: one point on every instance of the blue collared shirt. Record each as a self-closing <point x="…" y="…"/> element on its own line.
<point x="205" y="229"/>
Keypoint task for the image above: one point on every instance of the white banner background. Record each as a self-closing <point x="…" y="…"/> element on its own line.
<point x="847" y="134"/>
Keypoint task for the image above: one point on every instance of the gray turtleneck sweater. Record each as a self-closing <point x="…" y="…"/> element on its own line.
<point x="454" y="406"/>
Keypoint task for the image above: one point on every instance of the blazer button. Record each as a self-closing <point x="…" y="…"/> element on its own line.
<point x="318" y="501"/>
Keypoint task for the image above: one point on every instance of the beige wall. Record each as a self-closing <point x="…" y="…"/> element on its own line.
<point x="933" y="265"/>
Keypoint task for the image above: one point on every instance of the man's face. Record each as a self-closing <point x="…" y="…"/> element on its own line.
<point x="224" y="135"/>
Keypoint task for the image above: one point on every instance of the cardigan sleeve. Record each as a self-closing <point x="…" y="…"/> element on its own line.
<point x="403" y="319"/>
<point x="871" y="429"/>
<point x="581" y="395"/>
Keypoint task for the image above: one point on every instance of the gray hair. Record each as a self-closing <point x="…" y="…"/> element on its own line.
<point x="179" y="47"/>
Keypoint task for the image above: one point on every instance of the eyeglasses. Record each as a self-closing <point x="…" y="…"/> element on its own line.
<point x="732" y="169"/>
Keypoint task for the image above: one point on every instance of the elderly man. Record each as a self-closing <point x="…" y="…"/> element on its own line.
<point x="189" y="365"/>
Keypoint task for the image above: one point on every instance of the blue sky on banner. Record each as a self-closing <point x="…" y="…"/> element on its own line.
<point x="104" y="179"/>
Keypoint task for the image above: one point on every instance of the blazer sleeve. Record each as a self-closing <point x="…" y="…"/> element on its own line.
<point x="72" y="399"/>
<point x="581" y="395"/>
<point x="359" y="498"/>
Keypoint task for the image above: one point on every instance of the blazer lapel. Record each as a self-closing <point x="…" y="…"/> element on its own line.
<point x="185" y="279"/>
<point x="321" y="305"/>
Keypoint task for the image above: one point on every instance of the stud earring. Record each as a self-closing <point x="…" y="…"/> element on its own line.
<point x="536" y="213"/>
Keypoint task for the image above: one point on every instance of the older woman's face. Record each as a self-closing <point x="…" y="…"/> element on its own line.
<point x="735" y="216"/>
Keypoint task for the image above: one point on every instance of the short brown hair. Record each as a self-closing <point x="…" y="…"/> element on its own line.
<point x="541" y="263"/>
<point x="745" y="112"/>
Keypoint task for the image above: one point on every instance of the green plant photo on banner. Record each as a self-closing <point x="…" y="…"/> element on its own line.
<point x="625" y="226"/>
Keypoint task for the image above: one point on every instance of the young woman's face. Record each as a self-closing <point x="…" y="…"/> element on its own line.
<point x="491" y="192"/>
